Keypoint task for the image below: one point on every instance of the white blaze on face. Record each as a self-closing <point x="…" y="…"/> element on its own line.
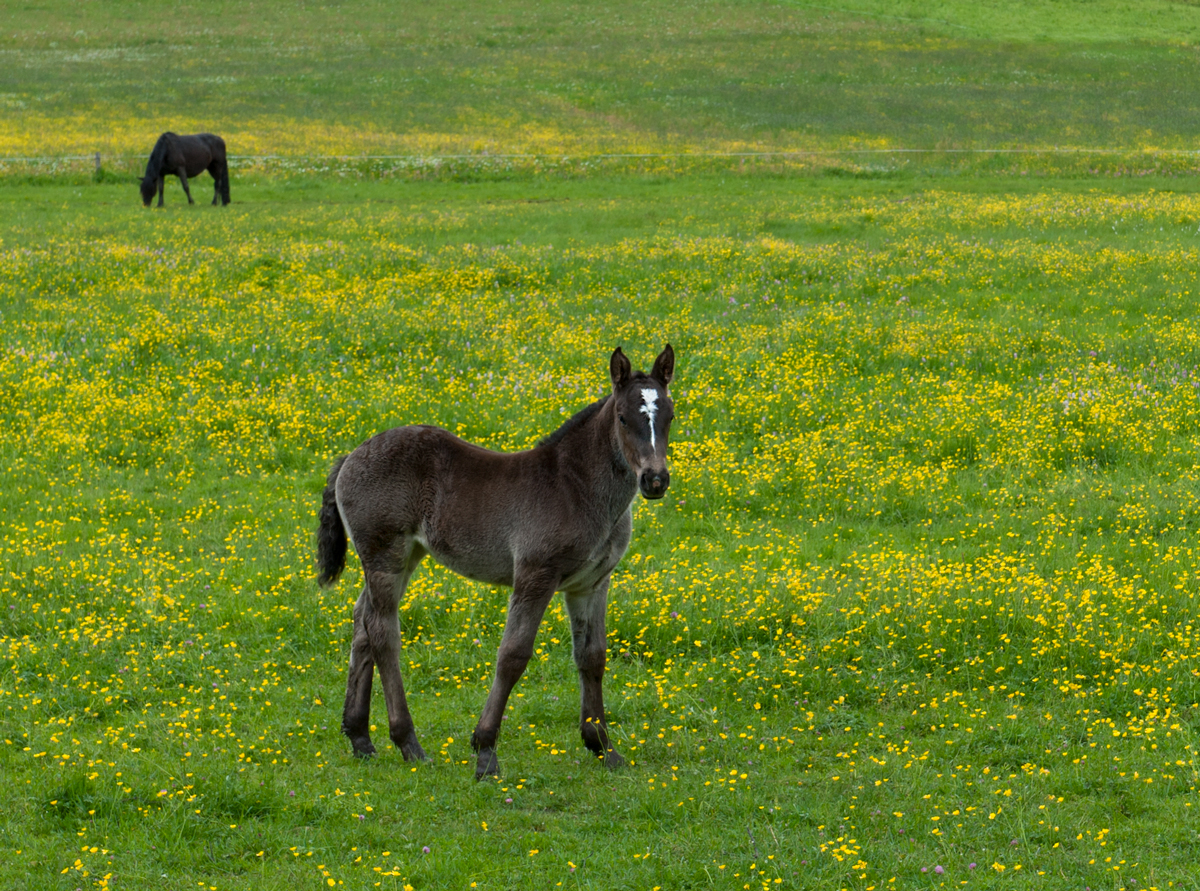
<point x="650" y="409"/>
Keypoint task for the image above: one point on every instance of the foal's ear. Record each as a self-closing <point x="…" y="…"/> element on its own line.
<point x="619" y="368"/>
<point x="664" y="366"/>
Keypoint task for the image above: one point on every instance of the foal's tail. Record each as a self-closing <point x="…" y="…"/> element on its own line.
<point x="331" y="533"/>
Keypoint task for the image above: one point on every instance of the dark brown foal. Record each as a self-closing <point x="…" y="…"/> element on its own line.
<point x="554" y="518"/>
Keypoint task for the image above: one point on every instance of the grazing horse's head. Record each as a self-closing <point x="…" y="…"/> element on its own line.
<point x="148" y="187"/>
<point x="644" y="411"/>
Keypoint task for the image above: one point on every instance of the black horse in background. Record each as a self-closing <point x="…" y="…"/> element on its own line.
<point x="185" y="156"/>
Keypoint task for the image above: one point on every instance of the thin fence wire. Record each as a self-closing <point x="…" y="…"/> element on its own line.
<point x="585" y="156"/>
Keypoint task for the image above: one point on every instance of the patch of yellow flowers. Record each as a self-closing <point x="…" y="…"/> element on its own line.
<point x="899" y="477"/>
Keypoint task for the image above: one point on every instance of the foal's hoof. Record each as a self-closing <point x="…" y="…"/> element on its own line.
<point x="412" y="751"/>
<point x="362" y="748"/>
<point x="613" y="759"/>
<point x="486" y="764"/>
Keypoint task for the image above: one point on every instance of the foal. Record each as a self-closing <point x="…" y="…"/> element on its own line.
<point x="555" y="518"/>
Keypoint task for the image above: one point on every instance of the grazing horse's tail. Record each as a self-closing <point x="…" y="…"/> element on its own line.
<point x="216" y="145"/>
<point x="331" y="534"/>
<point x="223" y="179"/>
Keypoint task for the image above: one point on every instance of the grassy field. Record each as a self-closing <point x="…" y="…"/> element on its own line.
<point x="919" y="610"/>
<point x="922" y="594"/>
<point x="580" y="79"/>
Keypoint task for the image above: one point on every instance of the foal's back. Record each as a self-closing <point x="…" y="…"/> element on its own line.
<point x="476" y="511"/>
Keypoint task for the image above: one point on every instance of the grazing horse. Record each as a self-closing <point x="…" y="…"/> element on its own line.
<point x="185" y="156"/>
<point x="554" y="518"/>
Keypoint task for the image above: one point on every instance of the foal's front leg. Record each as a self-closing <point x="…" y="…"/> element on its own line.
<point x="588" y="639"/>
<point x="532" y="590"/>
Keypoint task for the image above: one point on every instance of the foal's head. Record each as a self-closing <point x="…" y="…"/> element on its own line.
<point x="644" y="413"/>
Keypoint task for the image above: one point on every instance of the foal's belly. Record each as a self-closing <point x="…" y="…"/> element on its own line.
<point x="577" y="571"/>
<point x="474" y="563"/>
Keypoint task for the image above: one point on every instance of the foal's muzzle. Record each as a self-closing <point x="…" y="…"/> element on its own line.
<point x="653" y="483"/>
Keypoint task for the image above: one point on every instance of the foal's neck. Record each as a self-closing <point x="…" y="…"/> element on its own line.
<point x="591" y="449"/>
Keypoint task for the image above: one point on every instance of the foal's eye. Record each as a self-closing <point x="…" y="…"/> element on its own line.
<point x="621" y="418"/>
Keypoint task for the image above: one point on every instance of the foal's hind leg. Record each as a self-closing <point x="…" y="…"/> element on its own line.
<point x="382" y="624"/>
<point x="376" y="644"/>
<point x="586" y="612"/>
<point x="356" y="713"/>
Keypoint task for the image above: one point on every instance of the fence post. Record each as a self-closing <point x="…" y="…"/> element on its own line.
<point x="97" y="162"/>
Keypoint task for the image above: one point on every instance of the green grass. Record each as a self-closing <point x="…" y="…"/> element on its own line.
<point x="1034" y="20"/>
<point x="627" y="77"/>
<point x="922" y="594"/>
<point x="968" y="599"/>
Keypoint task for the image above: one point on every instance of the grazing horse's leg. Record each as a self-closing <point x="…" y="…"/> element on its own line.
<point x="183" y="179"/>
<point x="586" y="612"/>
<point x="218" y="170"/>
<point x="532" y="590"/>
<point x="162" y="184"/>
<point x="382" y="624"/>
<point x="356" y="713"/>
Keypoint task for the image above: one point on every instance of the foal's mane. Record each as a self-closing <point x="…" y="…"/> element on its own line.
<point x="576" y="420"/>
<point x="158" y="155"/>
